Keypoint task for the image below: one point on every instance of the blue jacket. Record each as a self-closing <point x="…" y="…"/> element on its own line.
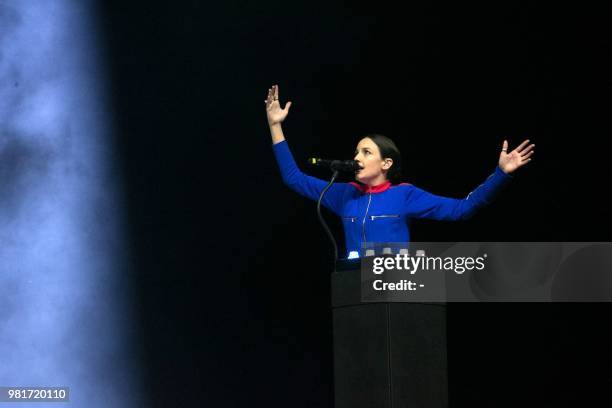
<point x="381" y="213"/>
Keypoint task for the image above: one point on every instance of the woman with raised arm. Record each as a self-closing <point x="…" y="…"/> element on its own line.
<point x="373" y="209"/>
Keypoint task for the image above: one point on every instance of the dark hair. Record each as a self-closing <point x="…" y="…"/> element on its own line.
<point x="388" y="149"/>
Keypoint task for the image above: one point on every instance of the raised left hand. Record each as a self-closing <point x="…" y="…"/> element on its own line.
<point x="518" y="157"/>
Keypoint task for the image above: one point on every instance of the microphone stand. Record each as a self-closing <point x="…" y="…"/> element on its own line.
<point x="325" y="227"/>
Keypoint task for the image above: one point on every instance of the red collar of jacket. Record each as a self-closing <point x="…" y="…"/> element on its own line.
<point x="364" y="188"/>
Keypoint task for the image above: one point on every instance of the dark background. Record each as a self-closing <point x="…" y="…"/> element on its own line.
<point x="231" y="269"/>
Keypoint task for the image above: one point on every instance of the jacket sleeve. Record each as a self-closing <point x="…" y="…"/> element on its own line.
<point x="308" y="186"/>
<point x="422" y="204"/>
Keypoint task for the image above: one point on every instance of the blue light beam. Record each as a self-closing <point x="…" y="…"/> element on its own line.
<point x="65" y="315"/>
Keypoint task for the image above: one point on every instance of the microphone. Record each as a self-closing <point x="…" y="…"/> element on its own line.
<point x="337" y="165"/>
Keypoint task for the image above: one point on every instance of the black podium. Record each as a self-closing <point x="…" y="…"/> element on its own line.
<point x="386" y="355"/>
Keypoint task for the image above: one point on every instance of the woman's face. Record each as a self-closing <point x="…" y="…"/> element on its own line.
<point x="373" y="167"/>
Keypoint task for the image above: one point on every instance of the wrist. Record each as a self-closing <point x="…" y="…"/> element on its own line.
<point x="504" y="171"/>
<point x="277" y="133"/>
<point x="274" y="124"/>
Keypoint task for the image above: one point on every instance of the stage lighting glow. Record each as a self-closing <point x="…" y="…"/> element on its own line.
<point x="65" y="316"/>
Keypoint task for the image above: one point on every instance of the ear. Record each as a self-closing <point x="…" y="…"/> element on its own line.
<point x="387" y="164"/>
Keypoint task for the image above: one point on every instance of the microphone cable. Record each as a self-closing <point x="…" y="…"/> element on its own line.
<point x="322" y="220"/>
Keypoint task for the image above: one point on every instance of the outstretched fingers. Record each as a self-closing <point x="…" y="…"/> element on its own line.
<point x="528" y="149"/>
<point x="272" y="95"/>
<point x="270" y="98"/>
<point x="527" y="156"/>
<point x="521" y="146"/>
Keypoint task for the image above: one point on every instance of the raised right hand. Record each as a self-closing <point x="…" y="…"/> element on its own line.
<point x="273" y="109"/>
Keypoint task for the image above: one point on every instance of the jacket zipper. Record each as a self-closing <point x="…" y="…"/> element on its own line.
<point x="373" y="217"/>
<point x="366" y="216"/>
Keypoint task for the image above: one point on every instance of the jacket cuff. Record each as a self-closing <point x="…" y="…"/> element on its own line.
<point x="276" y="145"/>
<point x="501" y="173"/>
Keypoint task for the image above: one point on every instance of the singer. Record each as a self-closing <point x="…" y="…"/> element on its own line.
<point x="373" y="209"/>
